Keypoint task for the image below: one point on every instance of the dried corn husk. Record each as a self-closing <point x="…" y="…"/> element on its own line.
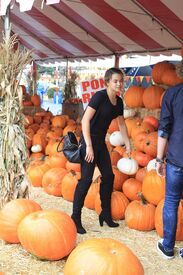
<point x="12" y="136"/>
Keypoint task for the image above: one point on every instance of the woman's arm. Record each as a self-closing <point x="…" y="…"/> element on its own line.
<point x="124" y="132"/>
<point x="88" y="115"/>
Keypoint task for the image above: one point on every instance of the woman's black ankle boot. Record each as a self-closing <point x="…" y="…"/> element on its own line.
<point x="79" y="227"/>
<point x="107" y="218"/>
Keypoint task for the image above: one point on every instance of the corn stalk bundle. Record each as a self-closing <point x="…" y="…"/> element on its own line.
<point x="13" y="182"/>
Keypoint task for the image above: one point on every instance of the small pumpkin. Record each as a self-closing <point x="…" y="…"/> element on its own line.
<point x="36" y="148"/>
<point x="127" y="166"/>
<point x="116" y="138"/>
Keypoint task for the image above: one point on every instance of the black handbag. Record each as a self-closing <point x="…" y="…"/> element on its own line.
<point x="71" y="148"/>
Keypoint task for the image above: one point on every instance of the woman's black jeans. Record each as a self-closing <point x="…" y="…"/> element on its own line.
<point x="103" y="161"/>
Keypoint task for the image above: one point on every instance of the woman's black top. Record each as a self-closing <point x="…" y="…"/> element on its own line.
<point x="105" y="113"/>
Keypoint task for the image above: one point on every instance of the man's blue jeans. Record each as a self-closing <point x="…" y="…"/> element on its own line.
<point x="174" y="189"/>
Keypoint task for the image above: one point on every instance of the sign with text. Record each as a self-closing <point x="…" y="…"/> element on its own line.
<point x="89" y="88"/>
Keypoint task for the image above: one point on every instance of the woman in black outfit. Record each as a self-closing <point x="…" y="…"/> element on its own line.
<point x="103" y="107"/>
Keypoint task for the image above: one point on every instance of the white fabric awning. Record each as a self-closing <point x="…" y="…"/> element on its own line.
<point x="85" y="28"/>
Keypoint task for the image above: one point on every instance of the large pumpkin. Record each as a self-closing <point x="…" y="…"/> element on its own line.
<point x="151" y="97"/>
<point x="158" y="70"/>
<point x="12" y="214"/>
<point x="133" y="97"/>
<point x="139" y="215"/>
<point x="153" y="187"/>
<point x="159" y="220"/>
<point x="102" y="256"/>
<point x="48" y="234"/>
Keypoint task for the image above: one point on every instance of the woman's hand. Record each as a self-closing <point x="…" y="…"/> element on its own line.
<point x="89" y="153"/>
<point x="128" y="151"/>
<point x="160" y="169"/>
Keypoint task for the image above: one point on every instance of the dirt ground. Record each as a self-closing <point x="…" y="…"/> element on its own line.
<point x="14" y="260"/>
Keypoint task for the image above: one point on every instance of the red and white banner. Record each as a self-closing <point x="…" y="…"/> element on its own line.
<point x="89" y="88"/>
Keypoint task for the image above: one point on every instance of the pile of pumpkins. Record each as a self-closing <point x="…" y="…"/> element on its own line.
<point x="29" y="100"/>
<point x="22" y="220"/>
<point x="133" y="175"/>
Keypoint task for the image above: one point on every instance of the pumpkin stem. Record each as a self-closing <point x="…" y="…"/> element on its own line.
<point x="73" y="172"/>
<point x="141" y="196"/>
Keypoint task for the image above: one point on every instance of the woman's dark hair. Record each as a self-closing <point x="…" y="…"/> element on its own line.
<point x="110" y="72"/>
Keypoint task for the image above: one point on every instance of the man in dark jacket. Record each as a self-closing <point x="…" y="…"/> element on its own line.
<point x="170" y="142"/>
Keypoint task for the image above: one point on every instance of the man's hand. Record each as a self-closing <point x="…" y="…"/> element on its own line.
<point x="160" y="169"/>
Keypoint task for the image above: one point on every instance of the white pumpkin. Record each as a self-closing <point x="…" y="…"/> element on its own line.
<point x="36" y="148"/>
<point x="116" y="139"/>
<point x="127" y="166"/>
<point x="151" y="165"/>
<point x="129" y="113"/>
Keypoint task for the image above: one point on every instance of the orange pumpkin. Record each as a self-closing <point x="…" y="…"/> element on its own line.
<point x="102" y="256"/>
<point x="36" y="100"/>
<point x="142" y="158"/>
<point x="153" y="187"/>
<point x="113" y="126"/>
<point x="92" y="192"/>
<point x="131" y="188"/>
<point x="141" y="127"/>
<point x="152" y="120"/>
<point x="131" y="122"/>
<point x="69" y="182"/>
<point x="159" y="220"/>
<point x="59" y="121"/>
<point x="159" y="69"/>
<point x="119" y="203"/>
<point x="141" y="174"/>
<point x="12" y="214"/>
<point x="133" y="97"/>
<point x="52" y="181"/>
<point x="120" y="150"/>
<point x="150" y="144"/>
<point x="115" y="156"/>
<point x="139" y="215"/>
<point x="119" y="178"/>
<point x="48" y="234"/>
<point x="35" y="174"/>
<point x="170" y="78"/>
<point x="58" y="161"/>
<point x="151" y="97"/>
<point x="139" y="140"/>
<point x="73" y="166"/>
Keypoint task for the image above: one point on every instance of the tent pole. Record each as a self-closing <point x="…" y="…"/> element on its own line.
<point x="116" y="62"/>
<point x="7" y="23"/>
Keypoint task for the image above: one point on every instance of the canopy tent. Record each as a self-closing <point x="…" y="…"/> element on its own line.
<point x="77" y="29"/>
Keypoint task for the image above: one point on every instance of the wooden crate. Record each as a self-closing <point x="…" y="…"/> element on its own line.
<point x="74" y="111"/>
